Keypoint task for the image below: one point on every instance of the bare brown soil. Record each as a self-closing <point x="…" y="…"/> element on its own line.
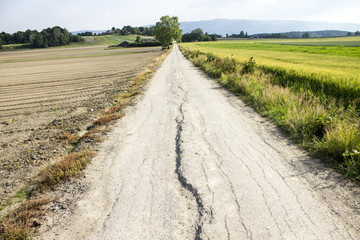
<point x="48" y="96"/>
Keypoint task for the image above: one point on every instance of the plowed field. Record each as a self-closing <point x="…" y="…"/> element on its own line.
<point x="46" y="92"/>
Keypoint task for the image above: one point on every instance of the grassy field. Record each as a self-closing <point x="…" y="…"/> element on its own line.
<point x="104" y="40"/>
<point x="310" y="87"/>
<point x="332" y="68"/>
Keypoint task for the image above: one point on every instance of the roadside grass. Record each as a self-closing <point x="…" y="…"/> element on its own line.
<point x="26" y="206"/>
<point x="20" y="223"/>
<point x="69" y="166"/>
<point x="320" y="123"/>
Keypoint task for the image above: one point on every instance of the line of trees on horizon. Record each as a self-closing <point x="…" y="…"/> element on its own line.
<point x="198" y="35"/>
<point x="50" y="37"/>
<point x="124" y="31"/>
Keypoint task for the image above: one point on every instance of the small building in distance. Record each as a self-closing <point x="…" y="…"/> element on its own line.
<point x="123" y="44"/>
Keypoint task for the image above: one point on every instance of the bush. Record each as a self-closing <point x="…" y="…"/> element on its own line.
<point x="249" y="67"/>
<point x="211" y="57"/>
<point x="226" y="65"/>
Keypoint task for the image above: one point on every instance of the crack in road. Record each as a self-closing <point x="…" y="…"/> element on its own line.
<point x="182" y="179"/>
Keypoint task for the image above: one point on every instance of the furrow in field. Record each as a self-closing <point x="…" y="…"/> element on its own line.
<point x="51" y="101"/>
<point x="61" y="79"/>
<point x="48" y="88"/>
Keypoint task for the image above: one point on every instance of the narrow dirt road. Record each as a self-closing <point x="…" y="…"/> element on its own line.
<point x="191" y="161"/>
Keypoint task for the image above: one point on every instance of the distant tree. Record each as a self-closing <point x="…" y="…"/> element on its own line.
<point x="242" y="34"/>
<point x="138" y="38"/>
<point x="167" y="30"/>
<point x="124" y="31"/>
<point x="197" y="35"/>
<point x="227" y="35"/>
<point x="86" y="34"/>
<point x="349" y="34"/>
<point x="51" y="37"/>
<point x="206" y="38"/>
<point x="186" y="37"/>
<point x="113" y="29"/>
<point x="357" y="33"/>
<point x="19" y="37"/>
<point x="1" y="43"/>
<point x="214" y="37"/>
<point x="306" y="35"/>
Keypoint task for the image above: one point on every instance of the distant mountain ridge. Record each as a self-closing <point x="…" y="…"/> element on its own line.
<point x="234" y="26"/>
<point x="231" y="26"/>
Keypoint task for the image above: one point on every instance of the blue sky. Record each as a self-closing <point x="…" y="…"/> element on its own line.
<point x="75" y="15"/>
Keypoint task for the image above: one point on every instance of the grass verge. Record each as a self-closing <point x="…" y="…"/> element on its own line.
<point x="320" y="123"/>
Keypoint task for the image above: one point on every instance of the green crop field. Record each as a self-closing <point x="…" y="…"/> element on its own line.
<point x="325" y="61"/>
<point x="310" y="87"/>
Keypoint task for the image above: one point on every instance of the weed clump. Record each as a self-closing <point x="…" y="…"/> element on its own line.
<point x="19" y="224"/>
<point x="226" y="65"/>
<point x="69" y="137"/>
<point x="69" y="166"/>
<point x="107" y="118"/>
<point x="249" y="67"/>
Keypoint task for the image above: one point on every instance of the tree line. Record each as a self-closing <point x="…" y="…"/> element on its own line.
<point x="124" y="31"/>
<point x="357" y="33"/>
<point x="50" y="37"/>
<point x="242" y="34"/>
<point x="198" y="35"/>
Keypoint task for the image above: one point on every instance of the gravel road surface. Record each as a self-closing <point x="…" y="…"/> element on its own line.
<point x="191" y="161"/>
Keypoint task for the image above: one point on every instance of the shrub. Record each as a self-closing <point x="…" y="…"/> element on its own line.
<point x="226" y="65"/>
<point x="211" y="57"/>
<point x="249" y="67"/>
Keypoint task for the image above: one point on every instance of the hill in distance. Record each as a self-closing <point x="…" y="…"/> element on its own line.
<point x="230" y="26"/>
<point x="234" y="26"/>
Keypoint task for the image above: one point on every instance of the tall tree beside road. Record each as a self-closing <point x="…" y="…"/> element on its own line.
<point x="167" y="30"/>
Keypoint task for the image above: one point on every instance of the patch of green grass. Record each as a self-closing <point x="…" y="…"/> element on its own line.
<point x="289" y="47"/>
<point x="104" y="40"/>
<point x="332" y="71"/>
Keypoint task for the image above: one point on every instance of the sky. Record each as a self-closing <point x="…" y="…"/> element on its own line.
<point x="74" y="15"/>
